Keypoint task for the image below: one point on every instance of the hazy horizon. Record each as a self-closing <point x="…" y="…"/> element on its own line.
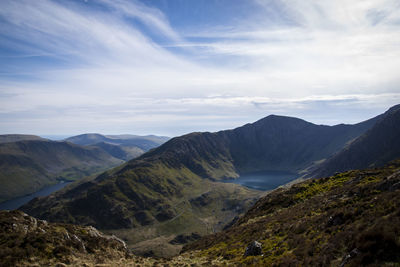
<point x="174" y="67"/>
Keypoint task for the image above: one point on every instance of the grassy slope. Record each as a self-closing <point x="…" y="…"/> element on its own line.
<point x="148" y="202"/>
<point x="121" y="152"/>
<point x="318" y="222"/>
<point x="27" y="166"/>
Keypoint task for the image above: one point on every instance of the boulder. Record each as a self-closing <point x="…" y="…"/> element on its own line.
<point x="253" y="249"/>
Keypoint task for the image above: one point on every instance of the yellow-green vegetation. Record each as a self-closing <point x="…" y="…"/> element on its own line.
<point x="321" y="186"/>
<point x="351" y="218"/>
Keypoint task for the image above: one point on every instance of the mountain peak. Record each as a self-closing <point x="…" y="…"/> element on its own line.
<point x="395" y="108"/>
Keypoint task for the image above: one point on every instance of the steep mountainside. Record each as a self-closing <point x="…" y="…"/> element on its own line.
<point x="174" y="190"/>
<point x="377" y="146"/>
<point x="9" y="138"/>
<point x="288" y="144"/>
<point x="350" y="219"/>
<point x="27" y="166"/>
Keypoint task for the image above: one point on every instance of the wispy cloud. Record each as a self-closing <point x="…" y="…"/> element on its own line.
<point x="122" y="66"/>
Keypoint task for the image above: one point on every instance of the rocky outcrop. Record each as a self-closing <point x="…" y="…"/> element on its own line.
<point x="25" y="240"/>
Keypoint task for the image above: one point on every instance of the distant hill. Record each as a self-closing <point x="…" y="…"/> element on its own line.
<point x="350" y="219"/>
<point x="143" y="142"/>
<point x="27" y="166"/>
<point x="175" y="189"/>
<point x="9" y="138"/>
<point x="374" y="148"/>
<point x="125" y="147"/>
<point x="119" y="151"/>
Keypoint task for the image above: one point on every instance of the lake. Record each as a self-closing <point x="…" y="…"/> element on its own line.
<point x="264" y="180"/>
<point x="15" y="203"/>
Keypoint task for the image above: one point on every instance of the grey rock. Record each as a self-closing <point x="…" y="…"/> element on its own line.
<point x="253" y="249"/>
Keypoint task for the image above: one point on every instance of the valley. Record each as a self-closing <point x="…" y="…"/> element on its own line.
<point x="15" y="203"/>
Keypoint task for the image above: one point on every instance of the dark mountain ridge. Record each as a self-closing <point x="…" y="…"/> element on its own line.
<point x="376" y="147"/>
<point x="288" y="144"/>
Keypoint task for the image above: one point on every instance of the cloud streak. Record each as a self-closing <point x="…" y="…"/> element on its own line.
<point x="109" y="65"/>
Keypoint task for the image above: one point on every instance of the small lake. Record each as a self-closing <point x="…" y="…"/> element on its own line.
<point x="265" y="180"/>
<point x="15" y="203"/>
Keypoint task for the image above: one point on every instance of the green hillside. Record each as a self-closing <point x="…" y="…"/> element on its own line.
<point x="27" y="166"/>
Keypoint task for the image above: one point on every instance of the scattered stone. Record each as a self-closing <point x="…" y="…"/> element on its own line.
<point x="253" y="249"/>
<point x="335" y="220"/>
<point x="349" y="256"/>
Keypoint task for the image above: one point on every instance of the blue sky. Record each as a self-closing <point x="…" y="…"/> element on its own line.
<point x="170" y="67"/>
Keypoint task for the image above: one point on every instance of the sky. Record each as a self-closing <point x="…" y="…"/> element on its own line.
<point x="170" y="67"/>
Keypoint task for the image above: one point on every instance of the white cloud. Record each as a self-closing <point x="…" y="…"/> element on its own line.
<point x="334" y="55"/>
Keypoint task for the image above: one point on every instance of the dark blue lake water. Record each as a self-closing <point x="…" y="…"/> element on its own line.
<point x="15" y="203"/>
<point x="265" y="180"/>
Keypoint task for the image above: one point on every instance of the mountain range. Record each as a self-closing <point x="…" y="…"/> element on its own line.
<point x="125" y="147"/>
<point x="175" y="189"/>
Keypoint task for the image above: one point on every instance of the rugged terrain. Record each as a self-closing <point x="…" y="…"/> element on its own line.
<point x="175" y="189"/>
<point x="349" y="219"/>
